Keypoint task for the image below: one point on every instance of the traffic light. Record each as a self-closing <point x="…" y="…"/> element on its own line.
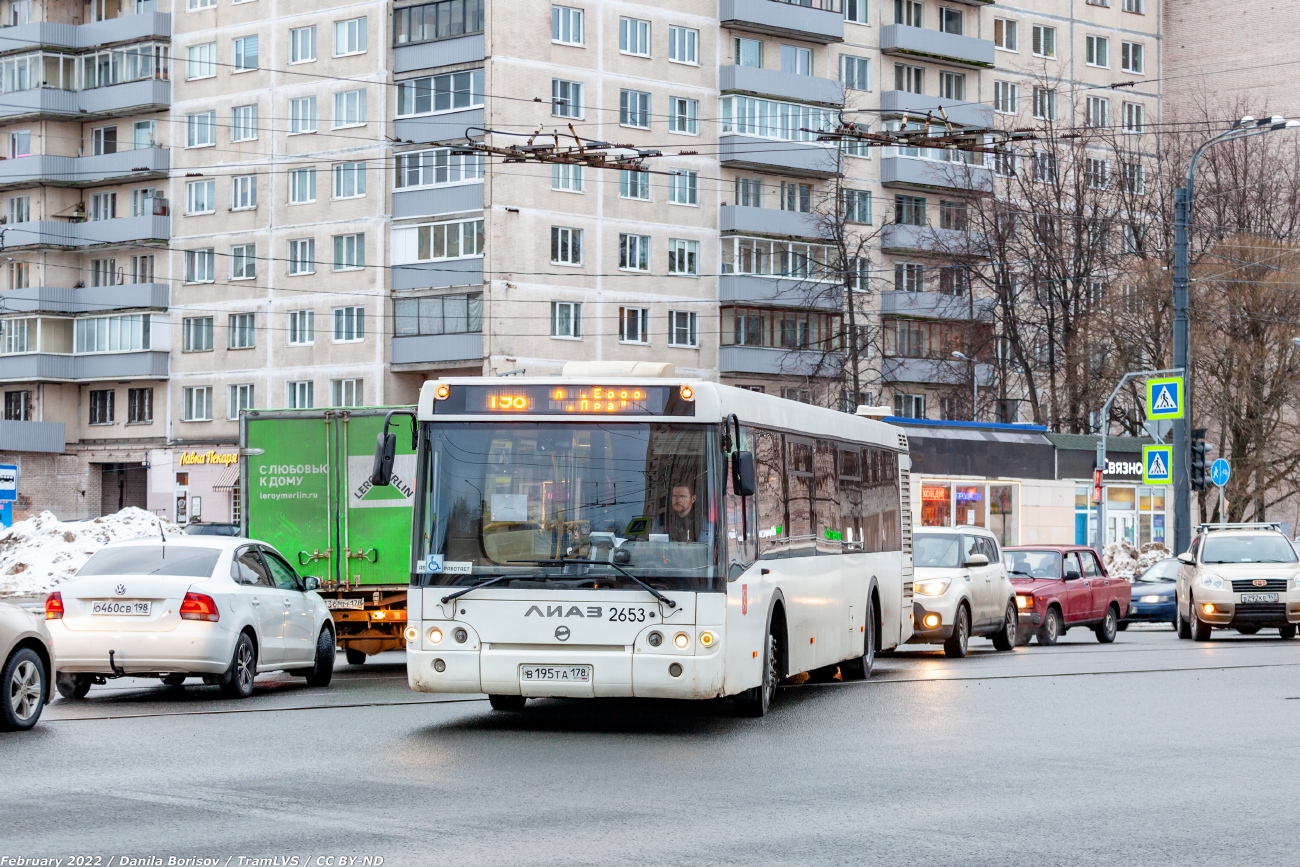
<point x="1200" y="464"/>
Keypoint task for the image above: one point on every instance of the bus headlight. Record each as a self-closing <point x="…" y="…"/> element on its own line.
<point x="654" y="639"/>
<point x="681" y="639"/>
<point x="707" y="639"/>
<point x="435" y="635"/>
<point x="411" y="634"/>
<point x="460" y="635"/>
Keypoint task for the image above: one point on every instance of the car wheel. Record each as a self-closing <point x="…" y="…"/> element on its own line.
<point x="859" y="668"/>
<point x="1006" y="637"/>
<point x="73" y="686"/>
<point x="1181" y="626"/>
<point x="174" y="679"/>
<point x="25" y="687"/>
<point x="1200" y="629"/>
<point x="237" y="682"/>
<point x="1248" y="630"/>
<point x="1108" y="627"/>
<point x="955" y="646"/>
<point x="355" y="657"/>
<point x="507" y="702"/>
<point x="1287" y="631"/>
<point x="322" y="672"/>
<point x="756" y="702"/>
<point x="1050" y="631"/>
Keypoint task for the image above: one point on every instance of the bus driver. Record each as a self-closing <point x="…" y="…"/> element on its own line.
<point x="683" y="523"/>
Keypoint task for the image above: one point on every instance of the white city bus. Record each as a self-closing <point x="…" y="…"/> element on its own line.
<point x="650" y="537"/>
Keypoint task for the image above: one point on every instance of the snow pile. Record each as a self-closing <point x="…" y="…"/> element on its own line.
<point x="41" y="552"/>
<point x="1124" y="561"/>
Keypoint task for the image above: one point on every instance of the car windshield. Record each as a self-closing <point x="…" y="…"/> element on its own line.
<point x="936" y="550"/>
<point x="1033" y="564"/>
<point x="514" y="498"/>
<point x="183" y="561"/>
<point x="1264" y="548"/>
<point x="1159" y="572"/>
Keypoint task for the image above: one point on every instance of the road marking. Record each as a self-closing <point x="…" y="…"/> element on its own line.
<point x="233" y="710"/>
<point x="1047" y="674"/>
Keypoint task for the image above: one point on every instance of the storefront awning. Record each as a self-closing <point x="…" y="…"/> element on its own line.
<point x="228" y="480"/>
<point x="980" y="451"/>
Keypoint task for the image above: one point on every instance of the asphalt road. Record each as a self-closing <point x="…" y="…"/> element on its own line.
<point x="1148" y="751"/>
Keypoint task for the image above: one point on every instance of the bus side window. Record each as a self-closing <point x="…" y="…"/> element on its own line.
<point x="826" y="511"/>
<point x="770" y="470"/>
<point x="851" y="527"/>
<point x="799" y="489"/>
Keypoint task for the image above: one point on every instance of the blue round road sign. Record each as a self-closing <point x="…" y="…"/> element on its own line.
<point x="1220" y="472"/>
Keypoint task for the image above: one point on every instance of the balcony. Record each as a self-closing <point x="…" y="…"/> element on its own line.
<point x="902" y="238"/>
<point x="811" y="20"/>
<point x="925" y="44"/>
<point x="437" y="349"/>
<point x="923" y="174"/>
<point x="448" y="126"/>
<point x="444" y="52"/>
<point x="932" y="305"/>
<point x="146" y="364"/>
<point x="805" y="159"/>
<point x="136" y="165"/>
<point x="432" y="201"/>
<point x="438" y="275"/>
<point x="132" y="97"/>
<point x="770" y="221"/>
<point x="75" y="37"/>
<point x="933" y="371"/>
<point x="50" y="437"/>
<point x="781" y="85"/>
<point x="779" y="291"/>
<point x="895" y="102"/>
<point x="92" y="233"/>
<point x="777" y="362"/>
<point x="92" y="299"/>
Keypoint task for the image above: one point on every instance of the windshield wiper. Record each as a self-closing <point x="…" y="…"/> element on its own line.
<point x="499" y="578"/>
<point x="1018" y="572"/>
<point x="564" y="562"/>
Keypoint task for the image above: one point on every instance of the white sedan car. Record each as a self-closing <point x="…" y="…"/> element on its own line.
<point x="224" y="609"/>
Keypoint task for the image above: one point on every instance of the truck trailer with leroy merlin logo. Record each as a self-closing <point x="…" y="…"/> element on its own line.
<point x="305" y="484"/>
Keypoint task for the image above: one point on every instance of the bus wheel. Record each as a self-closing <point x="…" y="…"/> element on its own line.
<point x="859" y="668"/>
<point x="507" y="702"/>
<point x="355" y="657"/>
<point x="756" y="701"/>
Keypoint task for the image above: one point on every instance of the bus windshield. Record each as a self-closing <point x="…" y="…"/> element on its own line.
<point x="515" y="498"/>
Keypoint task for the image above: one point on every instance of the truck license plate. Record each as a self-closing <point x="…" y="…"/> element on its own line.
<point x="1259" y="597"/>
<point x="345" y="604"/>
<point x="556" y="673"/>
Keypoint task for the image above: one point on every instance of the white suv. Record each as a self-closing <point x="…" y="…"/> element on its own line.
<point x="1238" y="576"/>
<point x="960" y="589"/>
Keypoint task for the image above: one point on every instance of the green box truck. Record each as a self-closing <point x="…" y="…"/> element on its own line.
<point x="305" y="488"/>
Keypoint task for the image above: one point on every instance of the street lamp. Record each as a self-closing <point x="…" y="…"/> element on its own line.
<point x="1246" y="127"/>
<point x="975" y="384"/>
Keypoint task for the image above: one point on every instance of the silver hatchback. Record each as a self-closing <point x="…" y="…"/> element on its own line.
<point x="26" y="667"/>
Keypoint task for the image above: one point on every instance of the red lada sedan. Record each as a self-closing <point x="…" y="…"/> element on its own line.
<point x="1062" y="586"/>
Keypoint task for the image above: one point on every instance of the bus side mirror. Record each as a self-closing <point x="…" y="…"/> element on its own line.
<point x="385" y="452"/>
<point x="743" y="479"/>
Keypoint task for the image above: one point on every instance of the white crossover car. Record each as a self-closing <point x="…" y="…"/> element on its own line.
<point x="960" y="588"/>
<point x="224" y="609"/>
<point x="26" y="668"/>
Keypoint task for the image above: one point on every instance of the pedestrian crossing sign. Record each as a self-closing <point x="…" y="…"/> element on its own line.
<point x="1165" y="398"/>
<point x="1157" y="465"/>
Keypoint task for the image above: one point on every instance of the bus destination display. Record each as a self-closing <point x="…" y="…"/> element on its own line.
<point x="567" y="399"/>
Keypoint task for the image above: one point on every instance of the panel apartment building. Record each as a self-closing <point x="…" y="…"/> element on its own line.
<point x="216" y="205"/>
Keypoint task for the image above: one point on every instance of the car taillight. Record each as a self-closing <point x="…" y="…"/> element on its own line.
<point x="197" y="606"/>
<point x="54" y="606"/>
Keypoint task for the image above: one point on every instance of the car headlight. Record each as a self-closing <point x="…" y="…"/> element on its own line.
<point x="1023" y="602"/>
<point x="933" y="587"/>
<point x="1211" y="581"/>
<point x="1295" y="583"/>
<point x="1151" y="600"/>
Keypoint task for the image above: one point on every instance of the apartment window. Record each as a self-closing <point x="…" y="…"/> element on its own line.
<point x="301" y="394"/>
<point x="243" y="262"/>
<point x="245" y="54"/>
<point x="796" y="60"/>
<point x="1044" y="103"/>
<point x="302" y="44"/>
<point x="633" y="252"/>
<point x="102" y="206"/>
<point x="349" y="252"/>
<point x="451" y="91"/>
<point x="14" y="334"/>
<point x="238" y="399"/>
<point x="202" y="61"/>
<point x="1098" y="111"/>
<point x="103" y="141"/>
<point x="566" y="246"/>
<point x="349" y="180"/>
<point x="566" y="319"/>
<point x="634" y="185"/>
<point x="909" y="277"/>
<point x="20" y="209"/>
<point x="1137" y="7"/>
<point x="197" y="334"/>
<point x="1135" y="178"/>
<point x="749" y="52"/>
<point x="634" y="36"/>
<point x="683" y="328"/>
<point x="796" y="197"/>
<point x="633" y="325"/>
<point x="20" y="144"/>
<point x="19" y="275"/>
<point x="909" y="78"/>
<point x="439" y="314"/>
<point x="683" y="257"/>
<point x="952" y="85"/>
<point x="200" y="266"/>
<point x="440" y="167"/>
<point x="749" y="192"/>
<point x="302" y="256"/>
<point x="349" y="108"/>
<point x="951" y="20"/>
<point x="684" y="45"/>
<point x="857" y="206"/>
<point x="302" y="186"/>
<point x="953" y="215"/>
<point x="143" y="134"/>
<point x="142" y="201"/>
<point x="683" y="115"/>
<point x="855" y="11"/>
<point x="855" y="72"/>
<point x="909" y="210"/>
<point x="1134" y="117"/>
<point x="139" y="406"/>
<point x="634" y="108"/>
<point x="1044" y="41"/>
<point x="196" y="403"/>
<point x="458" y="239"/>
<point x="243" y="192"/>
<point x="1105" y="3"/>
<point x="566" y="98"/>
<point x="1006" y="34"/>
<point x="243" y="125"/>
<point x="1006" y="97"/>
<point x="566" y="25"/>
<point x="349" y="324"/>
<point x="18" y="405"/>
<point x="1132" y="57"/>
<point x="346" y="392"/>
<point x="242" y="331"/>
<point x="302" y="115"/>
<point x="684" y="187"/>
<point x="103" y="272"/>
<point x="954" y="280"/>
<point x="909" y="405"/>
<point x="201" y="129"/>
<point x="302" y="327"/>
<point x="856" y="147"/>
<point x="1096" y="50"/>
<point x="1045" y="167"/>
<point x="908" y="12"/>
<point x="349" y="36"/>
<point x="566" y="177"/>
<point x="1097" y="173"/>
<point x="101" y="406"/>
